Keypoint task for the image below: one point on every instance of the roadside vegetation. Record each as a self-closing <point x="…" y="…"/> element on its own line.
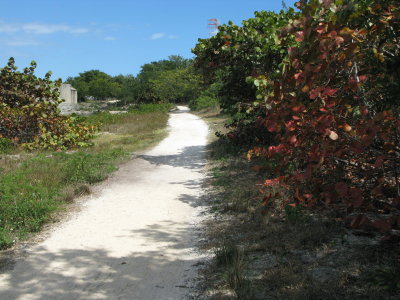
<point x="35" y="185"/>
<point x="304" y="177"/>
<point x="286" y="252"/>
<point x="172" y="80"/>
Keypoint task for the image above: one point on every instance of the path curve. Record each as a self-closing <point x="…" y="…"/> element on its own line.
<point x="133" y="238"/>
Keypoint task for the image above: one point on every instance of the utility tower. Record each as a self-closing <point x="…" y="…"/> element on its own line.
<point x="213" y="26"/>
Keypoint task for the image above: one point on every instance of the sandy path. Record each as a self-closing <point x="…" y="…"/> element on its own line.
<point x="133" y="238"/>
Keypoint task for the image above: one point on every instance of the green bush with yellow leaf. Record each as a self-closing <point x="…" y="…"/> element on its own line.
<point x="29" y="113"/>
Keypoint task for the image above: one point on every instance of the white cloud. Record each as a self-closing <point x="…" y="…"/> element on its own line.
<point x="156" y="36"/>
<point x="19" y="42"/>
<point x="8" y="28"/>
<point x="37" y="28"/>
<point x="110" y="38"/>
<point x="78" y="30"/>
<point x="22" y="43"/>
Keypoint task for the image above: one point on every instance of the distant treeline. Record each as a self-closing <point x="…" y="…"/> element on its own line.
<point x="170" y="80"/>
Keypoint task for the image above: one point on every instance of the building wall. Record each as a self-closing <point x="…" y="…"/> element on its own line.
<point x="70" y="97"/>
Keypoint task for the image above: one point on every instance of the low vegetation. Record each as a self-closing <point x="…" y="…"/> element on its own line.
<point x="29" y="113"/>
<point x="35" y="185"/>
<point x="289" y="252"/>
<point x="172" y="80"/>
<point x="304" y="177"/>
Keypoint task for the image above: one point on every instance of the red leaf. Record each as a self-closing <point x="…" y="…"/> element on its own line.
<point x="330" y="92"/>
<point x="299" y="36"/>
<point x="359" y="221"/>
<point x="364" y="111"/>
<point x="333" y="33"/>
<point x="341" y="188"/>
<point x="293" y="139"/>
<point x="382" y="225"/>
<point x="377" y="191"/>
<point x="356" y="196"/>
<point x="333" y="135"/>
<point x="363" y="78"/>
<point x="271" y="125"/>
<point x="314" y="94"/>
<point x="321" y="29"/>
<point x="379" y="162"/>
<point x="297" y="108"/>
<point x="266" y="199"/>
<point x="326" y="2"/>
<point x="291" y="125"/>
<point x="347" y="127"/>
<point x="357" y="148"/>
<point x="339" y="40"/>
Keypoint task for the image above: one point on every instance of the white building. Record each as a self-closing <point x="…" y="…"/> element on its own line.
<point x="70" y="97"/>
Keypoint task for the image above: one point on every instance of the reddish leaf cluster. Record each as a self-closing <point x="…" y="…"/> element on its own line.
<point x="331" y="122"/>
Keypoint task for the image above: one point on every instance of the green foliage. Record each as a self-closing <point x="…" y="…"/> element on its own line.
<point x="6" y="145"/>
<point x="387" y="278"/>
<point x="172" y="80"/>
<point x="235" y="53"/>
<point x="325" y="104"/>
<point x="151" y="107"/>
<point x="83" y="167"/>
<point x="30" y="193"/>
<point x="29" y="113"/>
<point x="176" y="86"/>
<point x="5" y="239"/>
<point x="296" y="214"/>
<point x="95" y="84"/>
<point x="203" y="102"/>
<point x="25" y="204"/>
<point x="168" y="80"/>
<point x="207" y="99"/>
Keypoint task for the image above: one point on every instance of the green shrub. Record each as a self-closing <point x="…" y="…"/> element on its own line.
<point x="203" y="102"/>
<point x="5" y="239"/>
<point x="151" y="107"/>
<point x="6" y="145"/>
<point x="296" y="214"/>
<point x="86" y="167"/>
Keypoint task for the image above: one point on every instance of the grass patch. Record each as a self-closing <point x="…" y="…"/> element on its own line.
<point x="35" y="185"/>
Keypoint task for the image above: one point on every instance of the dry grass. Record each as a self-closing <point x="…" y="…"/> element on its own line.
<point x="133" y="132"/>
<point x="286" y="254"/>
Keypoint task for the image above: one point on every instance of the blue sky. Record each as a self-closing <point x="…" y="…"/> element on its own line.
<point x="117" y="37"/>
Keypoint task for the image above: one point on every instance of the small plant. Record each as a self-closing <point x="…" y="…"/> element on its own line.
<point x="387" y="278"/>
<point x="231" y="259"/>
<point x="5" y="239"/>
<point x="296" y="215"/>
<point x="227" y="254"/>
<point x="5" y="145"/>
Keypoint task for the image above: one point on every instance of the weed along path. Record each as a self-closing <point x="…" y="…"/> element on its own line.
<point x="133" y="237"/>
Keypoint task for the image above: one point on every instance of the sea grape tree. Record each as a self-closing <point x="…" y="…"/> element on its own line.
<point x="29" y="113"/>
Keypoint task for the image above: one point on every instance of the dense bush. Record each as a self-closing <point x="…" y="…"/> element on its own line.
<point x="29" y="113"/>
<point x="236" y="52"/>
<point x="331" y="106"/>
